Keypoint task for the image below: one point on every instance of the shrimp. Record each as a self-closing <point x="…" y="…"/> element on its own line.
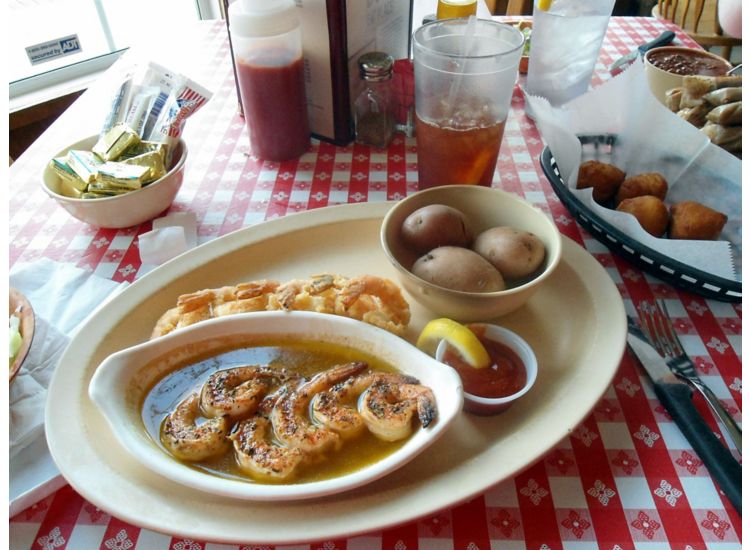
<point x="332" y="408"/>
<point x="255" y="452"/>
<point x="188" y="441"/>
<point x="289" y="415"/>
<point x="236" y="392"/>
<point x="388" y="408"/>
<point x="376" y="301"/>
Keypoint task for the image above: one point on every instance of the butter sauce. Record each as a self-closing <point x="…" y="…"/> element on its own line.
<point x="303" y="357"/>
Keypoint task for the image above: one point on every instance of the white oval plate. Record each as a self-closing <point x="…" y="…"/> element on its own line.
<point x="575" y="323"/>
<point x="121" y="382"/>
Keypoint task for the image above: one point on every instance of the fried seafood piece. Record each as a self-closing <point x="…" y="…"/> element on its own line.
<point x="367" y="298"/>
<point x="188" y="441"/>
<point x="255" y="450"/>
<point x="291" y="423"/>
<point x="336" y="408"/>
<point x="237" y="392"/>
<point x="604" y="178"/>
<point x="215" y="302"/>
<point x="649" y="183"/>
<point x="693" y="220"/>
<point x="650" y="211"/>
<point x="388" y="408"/>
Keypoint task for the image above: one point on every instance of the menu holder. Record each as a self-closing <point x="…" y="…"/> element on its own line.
<point x="334" y="34"/>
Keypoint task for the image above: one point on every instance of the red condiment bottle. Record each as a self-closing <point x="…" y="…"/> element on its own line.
<point x="267" y="44"/>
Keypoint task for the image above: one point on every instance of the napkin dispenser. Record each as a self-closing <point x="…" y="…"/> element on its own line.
<point x="334" y="34"/>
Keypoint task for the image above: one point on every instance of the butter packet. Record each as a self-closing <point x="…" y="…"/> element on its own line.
<point x="153" y="160"/>
<point x="115" y="141"/>
<point x="68" y="176"/>
<point x="121" y="175"/>
<point x="84" y="163"/>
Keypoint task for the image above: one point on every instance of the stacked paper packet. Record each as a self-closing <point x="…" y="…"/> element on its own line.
<point x="650" y="138"/>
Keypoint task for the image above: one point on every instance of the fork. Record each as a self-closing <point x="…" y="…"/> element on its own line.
<point x="658" y="327"/>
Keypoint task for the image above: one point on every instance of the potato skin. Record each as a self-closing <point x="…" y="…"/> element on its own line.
<point x="514" y="253"/>
<point x="650" y="211"/>
<point x="650" y="183"/>
<point x="433" y="226"/>
<point x="458" y="269"/>
<point x="604" y="178"/>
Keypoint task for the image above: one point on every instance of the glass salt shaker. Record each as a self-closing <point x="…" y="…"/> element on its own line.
<point x="374" y="117"/>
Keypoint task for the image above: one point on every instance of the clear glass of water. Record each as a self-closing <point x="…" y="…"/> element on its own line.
<point x="565" y="43"/>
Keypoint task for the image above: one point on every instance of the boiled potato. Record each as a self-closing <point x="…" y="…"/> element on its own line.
<point x="458" y="269"/>
<point x="514" y="253"/>
<point x="435" y="225"/>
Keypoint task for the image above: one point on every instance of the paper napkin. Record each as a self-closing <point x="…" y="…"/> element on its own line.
<point x="63" y="297"/>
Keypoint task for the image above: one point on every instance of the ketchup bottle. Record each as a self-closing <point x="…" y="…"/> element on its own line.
<point x="267" y="44"/>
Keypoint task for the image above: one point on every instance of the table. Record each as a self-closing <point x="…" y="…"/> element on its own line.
<point x="625" y="478"/>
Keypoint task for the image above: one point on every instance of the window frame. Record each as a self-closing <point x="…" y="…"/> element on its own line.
<point x="47" y="85"/>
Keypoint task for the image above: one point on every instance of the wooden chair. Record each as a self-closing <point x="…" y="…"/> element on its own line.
<point x="509" y="7"/>
<point x="699" y="19"/>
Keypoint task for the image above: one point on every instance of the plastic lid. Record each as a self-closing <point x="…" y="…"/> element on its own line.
<point x="375" y="66"/>
<point x="258" y="18"/>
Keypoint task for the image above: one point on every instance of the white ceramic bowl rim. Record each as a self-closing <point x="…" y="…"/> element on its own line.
<point x="515" y="343"/>
<point x="116" y="373"/>
<point x="180" y="162"/>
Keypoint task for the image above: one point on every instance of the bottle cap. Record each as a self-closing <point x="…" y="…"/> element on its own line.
<point x="375" y="66"/>
<point x="259" y="18"/>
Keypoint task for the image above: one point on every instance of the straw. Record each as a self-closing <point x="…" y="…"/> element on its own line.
<point x="468" y="42"/>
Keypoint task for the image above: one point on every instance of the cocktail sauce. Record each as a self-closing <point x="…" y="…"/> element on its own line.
<point x="273" y="100"/>
<point x="505" y="376"/>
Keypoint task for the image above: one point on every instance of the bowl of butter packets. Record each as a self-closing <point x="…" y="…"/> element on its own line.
<point x="132" y="171"/>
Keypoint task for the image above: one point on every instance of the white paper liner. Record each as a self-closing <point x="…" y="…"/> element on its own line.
<point x="650" y="138"/>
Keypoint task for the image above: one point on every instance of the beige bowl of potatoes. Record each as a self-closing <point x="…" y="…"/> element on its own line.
<point x="470" y="253"/>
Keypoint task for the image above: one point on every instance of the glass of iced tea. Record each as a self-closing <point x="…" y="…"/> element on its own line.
<point x="464" y="74"/>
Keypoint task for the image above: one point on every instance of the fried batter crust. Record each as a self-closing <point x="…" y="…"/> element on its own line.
<point x="693" y="220"/>
<point x="366" y="298"/>
<point x="604" y="178"/>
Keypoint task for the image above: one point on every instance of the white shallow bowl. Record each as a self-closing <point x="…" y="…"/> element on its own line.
<point x="122" y="380"/>
<point x="485" y="208"/>
<point x="495" y="405"/>
<point x="125" y="210"/>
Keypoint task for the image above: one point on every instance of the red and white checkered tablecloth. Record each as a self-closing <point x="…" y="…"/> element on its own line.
<point x="625" y="478"/>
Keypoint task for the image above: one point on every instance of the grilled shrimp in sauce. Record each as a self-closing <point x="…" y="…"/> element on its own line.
<point x="188" y="441"/>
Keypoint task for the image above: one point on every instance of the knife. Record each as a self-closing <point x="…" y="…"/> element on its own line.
<point x="676" y="398"/>
<point x="664" y="39"/>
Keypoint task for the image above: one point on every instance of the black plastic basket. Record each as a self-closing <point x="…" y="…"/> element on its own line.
<point x="668" y="269"/>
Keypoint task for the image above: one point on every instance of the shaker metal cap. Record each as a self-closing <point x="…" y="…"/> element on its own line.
<point x="375" y="66"/>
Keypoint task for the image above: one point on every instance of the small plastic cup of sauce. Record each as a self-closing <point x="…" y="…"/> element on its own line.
<point x="492" y="390"/>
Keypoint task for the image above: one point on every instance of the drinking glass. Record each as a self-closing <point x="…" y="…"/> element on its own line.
<point x="565" y="43"/>
<point x="464" y="73"/>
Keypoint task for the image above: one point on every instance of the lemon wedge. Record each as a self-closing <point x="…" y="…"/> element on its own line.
<point x="544" y="5"/>
<point x="459" y="336"/>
